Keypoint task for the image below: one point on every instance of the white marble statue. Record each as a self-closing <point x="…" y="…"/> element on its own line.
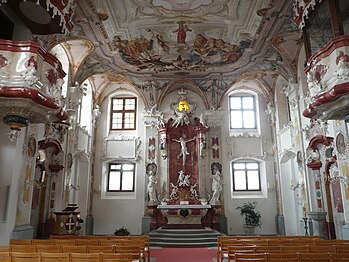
<point x="217" y="183"/>
<point x="182" y="118"/>
<point x="174" y="192"/>
<point x="193" y="194"/>
<point x="152" y="182"/>
<point x="184" y="150"/>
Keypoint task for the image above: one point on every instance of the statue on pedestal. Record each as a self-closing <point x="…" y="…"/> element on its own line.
<point x="152" y="182"/>
<point x="217" y="184"/>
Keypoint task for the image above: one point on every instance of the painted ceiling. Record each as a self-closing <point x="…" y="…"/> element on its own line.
<point x="202" y="41"/>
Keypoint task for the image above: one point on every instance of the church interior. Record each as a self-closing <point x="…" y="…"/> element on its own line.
<point x="145" y="115"/>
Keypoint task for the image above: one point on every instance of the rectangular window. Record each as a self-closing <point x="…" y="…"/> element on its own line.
<point x="121" y="177"/>
<point x="123" y="113"/>
<point x="242" y="112"/>
<point x="246" y="176"/>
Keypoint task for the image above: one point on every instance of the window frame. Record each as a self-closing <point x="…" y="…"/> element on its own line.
<point x="121" y="175"/>
<point x="246" y="176"/>
<point x="123" y="111"/>
<point x="241" y="96"/>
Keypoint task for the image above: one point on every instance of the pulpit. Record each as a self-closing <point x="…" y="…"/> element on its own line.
<point x="67" y="220"/>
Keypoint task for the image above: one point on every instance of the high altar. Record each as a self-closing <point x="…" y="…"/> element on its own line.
<point x="190" y="195"/>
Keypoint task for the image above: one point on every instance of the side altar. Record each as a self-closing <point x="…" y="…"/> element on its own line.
<point x="178" y="196"/>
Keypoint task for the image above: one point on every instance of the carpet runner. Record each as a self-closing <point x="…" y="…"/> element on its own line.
<point x="183" y="254"/>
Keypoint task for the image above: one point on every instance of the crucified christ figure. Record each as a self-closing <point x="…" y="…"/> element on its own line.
<point x="184" y="150"/>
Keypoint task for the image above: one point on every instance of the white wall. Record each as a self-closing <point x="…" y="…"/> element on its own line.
<point x="114" y="212"/>
<point x="10" y="173"/>
<point x="259" y="147"/>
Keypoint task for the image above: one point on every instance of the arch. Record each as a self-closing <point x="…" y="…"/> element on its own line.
<point x="261" y="88"/>
<point x="175" y="85"/>
<point x="105" y="89"/>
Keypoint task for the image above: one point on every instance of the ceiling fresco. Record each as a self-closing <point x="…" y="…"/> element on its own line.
<point x="209" y="44"/>
<point x="181" y="35"/>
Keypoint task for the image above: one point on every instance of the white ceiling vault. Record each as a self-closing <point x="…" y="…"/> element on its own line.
<point x="202" y="42"/>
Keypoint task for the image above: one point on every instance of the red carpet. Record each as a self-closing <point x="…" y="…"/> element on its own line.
<point x="183" y="254"/>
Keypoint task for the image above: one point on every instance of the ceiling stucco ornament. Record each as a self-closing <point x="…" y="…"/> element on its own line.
<point x="302" y="8"/>
<point x="169" y="36"/>
<point x="176" y="8"/>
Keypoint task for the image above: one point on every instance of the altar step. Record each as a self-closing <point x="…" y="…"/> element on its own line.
<point x="204" y="237"/>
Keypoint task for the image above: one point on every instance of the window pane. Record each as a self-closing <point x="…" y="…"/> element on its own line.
<point x="251" y="165"/>
<point x="129" y="120"/>
<point x="253" y="180"/>
<point x="239" y="165"/>
<point x="117" y="121"/>
<point x="236" y="119"/>
<point x="130" y="104"/>
<point x="235" y="102"/>
<point x="114" y="180"/>
<point x="239" y="180"/>
<point x="249" y="120"/>
<point x="115" y="166"/>
<point x="247" y="103"/>
<point x="127" y="167"/>
<point x="127" y="180"/>
<point x="118" y="104"/>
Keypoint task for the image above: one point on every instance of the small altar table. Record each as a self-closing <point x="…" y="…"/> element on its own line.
<point x="184" y="214"/>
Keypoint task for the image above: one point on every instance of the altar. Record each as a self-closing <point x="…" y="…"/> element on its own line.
<point x="183" y="185"/>
<point x="184" y="214"/>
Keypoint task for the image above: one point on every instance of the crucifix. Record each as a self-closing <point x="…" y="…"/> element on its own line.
<point x="69" y="224"/>
<point x="184" y="150"/>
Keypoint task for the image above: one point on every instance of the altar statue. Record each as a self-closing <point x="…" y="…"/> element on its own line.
<point x="152" y="182"/>
<point x="182" y="118"/>
<point x="174" y="192"/>
<point x="217" y="184"/>
<point x="184" y="150"/>
<point x="193" y="194"/>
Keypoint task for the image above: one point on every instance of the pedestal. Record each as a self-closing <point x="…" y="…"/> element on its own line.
<point x="319" y="224"/>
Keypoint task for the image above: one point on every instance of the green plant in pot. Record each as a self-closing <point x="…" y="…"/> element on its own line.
<point x="122" y="231"/>
<point x="252" y="218"/>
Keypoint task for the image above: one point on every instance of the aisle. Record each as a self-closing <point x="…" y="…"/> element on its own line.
<point x="184" y="255"/>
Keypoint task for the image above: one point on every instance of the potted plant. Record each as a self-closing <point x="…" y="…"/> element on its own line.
<point x="122" y="231"/>
<point x="252" y="218"/>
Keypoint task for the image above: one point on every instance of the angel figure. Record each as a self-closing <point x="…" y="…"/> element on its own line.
<point x="193" y="194"/>
<point x="182" y="118"/>
<point x="174" y="193"/>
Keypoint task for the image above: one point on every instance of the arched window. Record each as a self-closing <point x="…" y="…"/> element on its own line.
<point x="123" y="113"/>
<point x="121" y="177"/>
<point x="246" y="176"/>
<point x="243" y="113"/>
